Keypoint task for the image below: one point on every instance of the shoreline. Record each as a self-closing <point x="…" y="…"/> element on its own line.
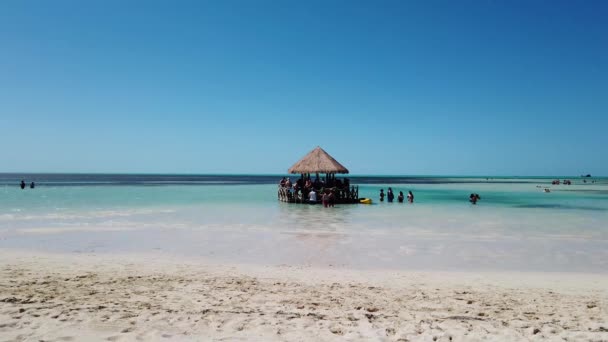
<point x="158" y="297"/>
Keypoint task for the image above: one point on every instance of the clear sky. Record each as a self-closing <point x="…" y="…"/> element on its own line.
<point x="386" y="87"/>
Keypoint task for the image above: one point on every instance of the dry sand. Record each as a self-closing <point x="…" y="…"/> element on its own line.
<point x="73" y="297"/>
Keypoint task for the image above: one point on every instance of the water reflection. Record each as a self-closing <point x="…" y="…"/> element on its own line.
<point x="297" y="217"/>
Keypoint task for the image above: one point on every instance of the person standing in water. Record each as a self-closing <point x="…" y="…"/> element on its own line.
<point x="390" y="195"/>
<point x="32" y="185"/>
<point x="381" y="195"/>
<point x="22" y="184"/>
<point x="312" y="196"/>
<point x="325" y="199"/>
<point x="410" y="197"/>
<point x="400" y="197"/>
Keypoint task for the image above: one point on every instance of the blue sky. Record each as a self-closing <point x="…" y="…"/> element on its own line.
<point x="387" y="87"/>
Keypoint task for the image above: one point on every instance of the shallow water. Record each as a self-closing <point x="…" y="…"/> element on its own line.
<point x="515" y="226"/>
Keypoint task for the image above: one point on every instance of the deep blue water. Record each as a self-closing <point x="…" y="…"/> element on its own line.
<point x="83" y="179"/>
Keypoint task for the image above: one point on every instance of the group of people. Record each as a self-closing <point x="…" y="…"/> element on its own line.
<point x="317" y="184"/>
<point x="390" y="196"/>
<point x="317" y="191"/>
<point x="328" y="198"/>
<point x="22" y="185"/>
<point x="324" y="192"/>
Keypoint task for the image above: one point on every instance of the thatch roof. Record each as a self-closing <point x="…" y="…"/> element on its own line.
<point x="317" y="161"/>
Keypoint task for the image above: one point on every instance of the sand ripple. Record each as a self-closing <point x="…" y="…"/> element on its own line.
<point x="116" y="302"/>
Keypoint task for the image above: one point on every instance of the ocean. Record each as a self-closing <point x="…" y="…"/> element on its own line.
<point x="237" y="218"/>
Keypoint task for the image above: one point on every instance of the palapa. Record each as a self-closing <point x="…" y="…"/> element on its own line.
<point x="317" y="161"/>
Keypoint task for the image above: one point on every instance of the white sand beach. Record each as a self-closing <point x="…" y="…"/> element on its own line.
<point x="303" y="171"/>
<point x="88" y="297"/>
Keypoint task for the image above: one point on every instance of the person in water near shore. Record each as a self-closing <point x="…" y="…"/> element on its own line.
<point x="312" y="196"/>
<point x="22" y="184"/>
<point x="410" y="197"/>
<point x="400" y="197"/>
<point x="381" y="195"/>
<point x="474" y="198"/>
<point x="32" y="185"/>
<point x="308" y="184"/>
<point x="390" y="195"/>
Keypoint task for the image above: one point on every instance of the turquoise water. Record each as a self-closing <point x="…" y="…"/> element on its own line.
<point x="515" y="226"/>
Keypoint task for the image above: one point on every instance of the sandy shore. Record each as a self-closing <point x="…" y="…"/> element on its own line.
<point x="77" y="297"/>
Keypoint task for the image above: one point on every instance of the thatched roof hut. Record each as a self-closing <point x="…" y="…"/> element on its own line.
<point x="317" y="161"/>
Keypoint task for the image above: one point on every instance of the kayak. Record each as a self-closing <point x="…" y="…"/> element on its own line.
<point x="365" y="201"/>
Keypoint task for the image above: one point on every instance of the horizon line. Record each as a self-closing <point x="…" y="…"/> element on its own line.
<point x="287" y="174"/>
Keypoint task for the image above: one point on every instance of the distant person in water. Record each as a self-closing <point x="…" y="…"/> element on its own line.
<point x="22" y="184"/>
<point x="474" y="198"/>
<point x="400" y="197"/>
<point x="331" y="199"/>
<point x="390" y="195"/>
<point x="312" y="196"/>
<point x="381" y="195"/>
<point x="32" y="185"/>
<point x="308" y="184"/>
<point x="410" y="197"/>
<point x="325" y="199"/>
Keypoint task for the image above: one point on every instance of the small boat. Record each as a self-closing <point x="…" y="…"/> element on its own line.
<point x="365" y="201"/>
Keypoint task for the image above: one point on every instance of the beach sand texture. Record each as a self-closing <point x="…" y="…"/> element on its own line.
<point x="71" y="297"/>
